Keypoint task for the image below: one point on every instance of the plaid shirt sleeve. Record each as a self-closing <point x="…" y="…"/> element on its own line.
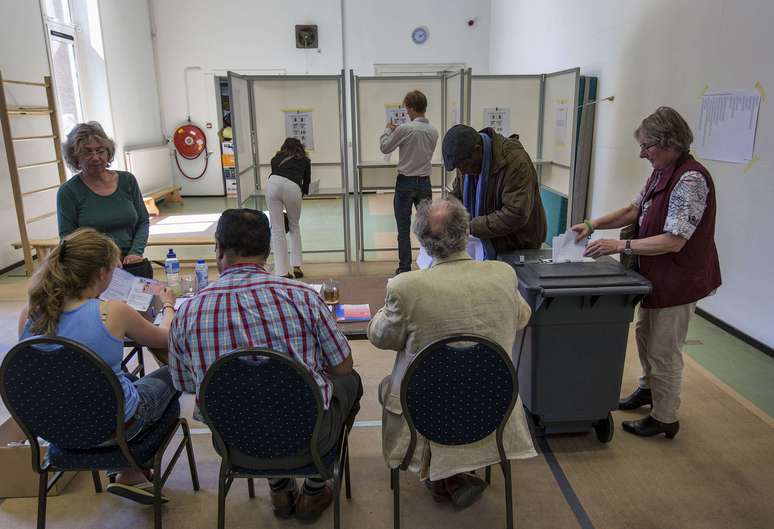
<point x="335" y="348"/>
<point x="179" y="358"/>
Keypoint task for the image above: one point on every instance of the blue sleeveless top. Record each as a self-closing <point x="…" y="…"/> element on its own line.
<point x="84" y="325"/>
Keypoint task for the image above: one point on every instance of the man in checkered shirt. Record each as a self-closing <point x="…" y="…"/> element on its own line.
<point x="248" y="307"/>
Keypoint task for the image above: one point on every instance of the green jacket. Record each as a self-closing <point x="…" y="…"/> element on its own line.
<point x="515" y="218"/>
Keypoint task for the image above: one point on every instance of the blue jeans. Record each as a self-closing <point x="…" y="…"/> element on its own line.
<point x="409" y="191"/>
<point x="156" y="391"/>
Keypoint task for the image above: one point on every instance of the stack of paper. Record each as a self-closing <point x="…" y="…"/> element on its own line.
<point x="137" y="292"/>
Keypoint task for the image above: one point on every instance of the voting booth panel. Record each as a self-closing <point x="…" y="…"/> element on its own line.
<point x="454" y="111"/>
<point x="377" y="100"/>
<point x="309" y="109"/>
<point x="557" y="150"/>
<point x="269" y="109"/>
<point x="510" y="104"/>
<point x="241" y="123"/>
<point x="377" y="95"/>
<point x="454" y="99"/>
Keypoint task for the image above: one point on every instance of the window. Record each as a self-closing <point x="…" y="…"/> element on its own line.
<point x="65" y="72"/>
<point x="61" y="34"/>
<point x="59" y="11"/>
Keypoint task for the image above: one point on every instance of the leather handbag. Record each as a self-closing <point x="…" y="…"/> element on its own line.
<point x="140" y="269"/>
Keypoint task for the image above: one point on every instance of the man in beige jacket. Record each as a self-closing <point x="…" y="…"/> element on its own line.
<point x="456" y="295"/>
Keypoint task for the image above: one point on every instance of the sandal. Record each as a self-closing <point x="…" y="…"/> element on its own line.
<point x="139" y="492"/>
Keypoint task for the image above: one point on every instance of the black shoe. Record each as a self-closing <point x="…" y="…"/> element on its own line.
<point x="640" y="397"/>
<point x="401" y="270"/>
<point x="648" y="427"/>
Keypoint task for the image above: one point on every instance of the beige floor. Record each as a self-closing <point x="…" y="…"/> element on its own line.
<point x="717" y="473"/>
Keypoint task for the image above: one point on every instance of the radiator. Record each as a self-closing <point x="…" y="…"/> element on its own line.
<point x="152" y="166"/>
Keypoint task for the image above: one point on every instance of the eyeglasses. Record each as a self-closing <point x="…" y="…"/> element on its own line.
<point x="645" y="147"/>
<point x="88" y="153"/>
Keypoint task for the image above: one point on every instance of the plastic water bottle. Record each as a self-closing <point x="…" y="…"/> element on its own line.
<point x="172" y="269"/>
<point x="201" y="274"/>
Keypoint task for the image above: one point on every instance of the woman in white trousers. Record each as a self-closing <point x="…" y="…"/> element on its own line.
<point x="288" y="183"/>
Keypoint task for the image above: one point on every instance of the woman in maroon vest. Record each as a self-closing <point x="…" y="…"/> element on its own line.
<point x="675" y="247"/>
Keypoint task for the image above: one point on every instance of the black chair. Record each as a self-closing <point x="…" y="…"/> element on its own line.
<point x="264" y="405"/>
<point x="456" y="391"/>
<point x="60" y="391"/>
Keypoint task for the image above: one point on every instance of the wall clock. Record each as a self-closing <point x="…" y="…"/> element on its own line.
<point x="420" y="35"/>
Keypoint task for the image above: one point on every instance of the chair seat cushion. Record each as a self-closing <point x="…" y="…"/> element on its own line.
<point x="143" y="447"/>
<point x="306" y="470"/>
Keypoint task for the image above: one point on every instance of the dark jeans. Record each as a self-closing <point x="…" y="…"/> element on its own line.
<point x="409" y="191"/>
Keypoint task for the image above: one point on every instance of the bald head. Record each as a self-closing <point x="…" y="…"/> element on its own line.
<point x="442" y="227"/>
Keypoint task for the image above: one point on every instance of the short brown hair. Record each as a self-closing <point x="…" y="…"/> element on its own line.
<point x="416" y="101"/>
<point x="667" y="128"/>
<point x="83" y="133"/>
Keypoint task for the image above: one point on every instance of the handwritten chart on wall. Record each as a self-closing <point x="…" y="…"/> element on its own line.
<point x="499" y="118"/>
<point x="727" y="124"/>
<point x="299" y="124"/>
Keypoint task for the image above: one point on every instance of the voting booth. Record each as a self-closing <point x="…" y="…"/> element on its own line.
<point x="570" y="357"/>
<point x="545" y="112"/>
<point x="268" y="109"/>
<point x="377" y="101"/>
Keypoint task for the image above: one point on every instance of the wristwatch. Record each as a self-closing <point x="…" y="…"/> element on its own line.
<point x="628" y="247"/>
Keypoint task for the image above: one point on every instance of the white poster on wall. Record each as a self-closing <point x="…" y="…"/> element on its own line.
<point x="299" y="124"/>
<point x="396" y="113"/>
<point x="499" y="118"/>
<point x="561" y="115"/>
<point x="727" y="123"/>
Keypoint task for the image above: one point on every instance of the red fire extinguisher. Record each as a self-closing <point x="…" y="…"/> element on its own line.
<point x="190" y="143"/>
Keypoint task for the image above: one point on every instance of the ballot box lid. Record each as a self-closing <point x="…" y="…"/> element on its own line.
<point x="599" y="277"/>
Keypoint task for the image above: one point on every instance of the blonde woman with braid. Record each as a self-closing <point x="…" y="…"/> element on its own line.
<point x="63" y="301"/>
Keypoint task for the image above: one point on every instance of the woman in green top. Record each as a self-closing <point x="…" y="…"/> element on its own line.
<point x="97" y="197"/>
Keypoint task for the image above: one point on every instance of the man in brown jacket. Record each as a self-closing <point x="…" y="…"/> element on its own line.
<point x="497" y="182"/>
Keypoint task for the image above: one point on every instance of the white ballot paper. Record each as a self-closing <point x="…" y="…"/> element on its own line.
<point x="137" y="292"/>
<point x="474" y="248"/>
<point x="565" y="249"/>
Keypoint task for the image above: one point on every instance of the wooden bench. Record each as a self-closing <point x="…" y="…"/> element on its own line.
<point x="169" y="193"/>
<point x="43" y="246"/>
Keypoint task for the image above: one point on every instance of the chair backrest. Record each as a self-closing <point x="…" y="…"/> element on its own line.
<point x="261" y="402"/>
<point x="458" y="390"/>
<point x="61" y="391"/>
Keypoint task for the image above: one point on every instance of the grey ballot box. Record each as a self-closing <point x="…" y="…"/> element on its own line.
<point x="570" y="357"/>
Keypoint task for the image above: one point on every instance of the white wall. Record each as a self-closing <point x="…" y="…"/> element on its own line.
<point x="21" y="28"/>
<point x="380" y="32"/>
<point x="131" y="75"/>
<point x="242" y="35"/>
<point x="257" y="36"/>
<point x="655" y="53"/>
